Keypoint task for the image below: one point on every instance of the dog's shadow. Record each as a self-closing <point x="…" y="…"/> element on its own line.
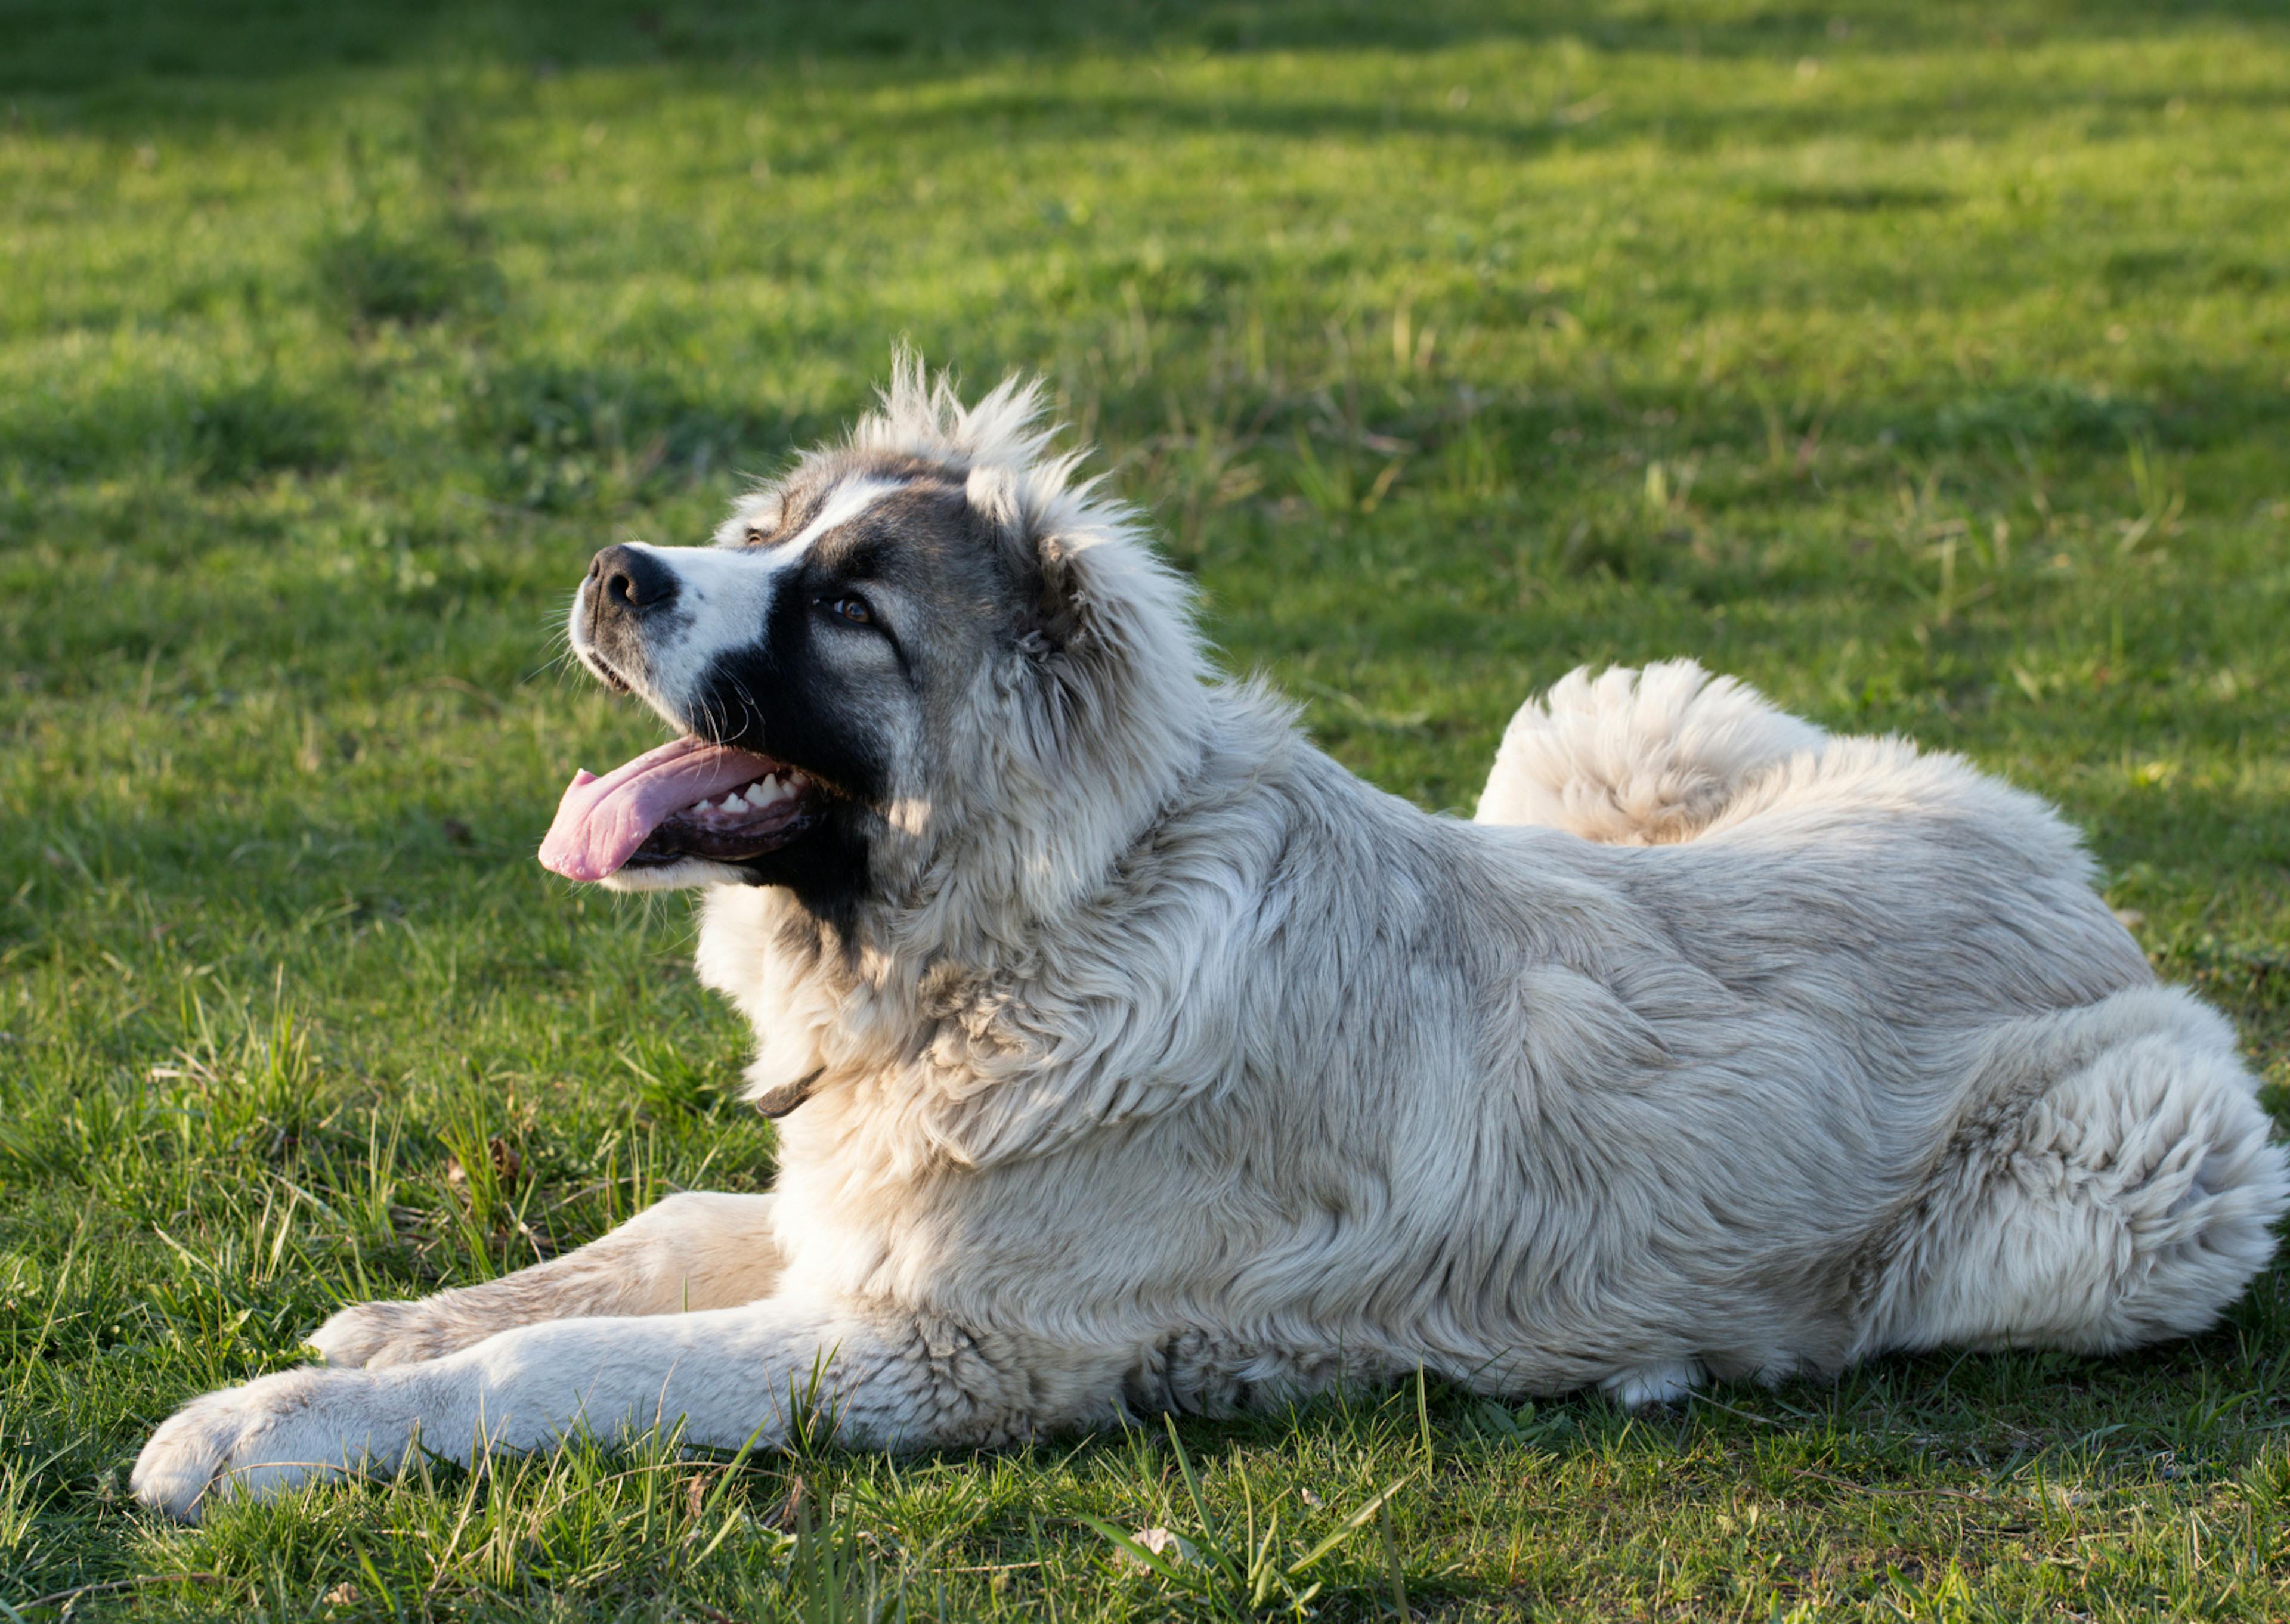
<point x="1898" y="1424"/>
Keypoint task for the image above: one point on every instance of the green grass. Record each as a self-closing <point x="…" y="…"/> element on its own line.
<point x="1927" y="363"/>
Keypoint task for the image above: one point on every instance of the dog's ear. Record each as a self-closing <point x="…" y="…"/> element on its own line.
<point x="1061" y="616"/>
<point x="1050" y="597"/>
<point x="755" y="515"/>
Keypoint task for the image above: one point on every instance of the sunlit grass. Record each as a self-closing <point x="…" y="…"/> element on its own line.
<point x="1928" y="366"/>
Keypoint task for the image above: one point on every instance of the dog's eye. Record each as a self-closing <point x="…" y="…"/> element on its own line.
<point x="854" y="610"/>
<point x="755" y="537"/>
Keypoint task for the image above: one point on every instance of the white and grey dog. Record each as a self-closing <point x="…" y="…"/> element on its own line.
<point x="1134" y="1054"/>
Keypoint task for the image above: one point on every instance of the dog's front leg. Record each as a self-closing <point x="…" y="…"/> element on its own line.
<point x="872" y="1376"/>
<point x="693" y="1251"/>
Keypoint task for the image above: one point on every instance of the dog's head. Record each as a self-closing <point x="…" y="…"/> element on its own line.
<point x="925" y="658"/>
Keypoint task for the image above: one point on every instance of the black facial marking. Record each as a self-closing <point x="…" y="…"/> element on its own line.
<point x="827" y="870"/>
<point x="781" y="697"/>
<point x="869" y="558"/>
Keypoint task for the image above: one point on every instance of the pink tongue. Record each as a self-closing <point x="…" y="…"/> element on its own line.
<point x="601" y="822"/>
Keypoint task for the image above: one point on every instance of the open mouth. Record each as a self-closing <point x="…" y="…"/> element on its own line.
<point x="688" y="798"/>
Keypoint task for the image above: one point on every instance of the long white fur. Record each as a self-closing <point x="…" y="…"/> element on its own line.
<point x="1175" y="1066"/>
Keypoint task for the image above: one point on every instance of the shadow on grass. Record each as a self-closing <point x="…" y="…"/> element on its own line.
<point x="1049" y="115"/>
<point x="114" y="74"/>
<point x="1891" y="1414"/>
<point x="221" y="433"/>
<point x="68" y="46"/>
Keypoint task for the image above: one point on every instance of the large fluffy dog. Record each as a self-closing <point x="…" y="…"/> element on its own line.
<point x="1132" y="1054"/>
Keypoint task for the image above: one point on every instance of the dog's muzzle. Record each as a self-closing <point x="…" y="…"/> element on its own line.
<point x="625" y="590"/>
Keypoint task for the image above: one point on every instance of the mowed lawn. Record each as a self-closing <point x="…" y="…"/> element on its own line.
<point x="1927" y="365"/>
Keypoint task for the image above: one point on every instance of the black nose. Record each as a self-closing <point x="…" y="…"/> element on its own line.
<point x="627" y="580"/>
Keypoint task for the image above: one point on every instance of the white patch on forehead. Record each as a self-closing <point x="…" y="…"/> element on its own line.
<point x="850" y="498"/>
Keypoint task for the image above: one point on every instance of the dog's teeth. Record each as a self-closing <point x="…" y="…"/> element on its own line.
<point x="732" y="803"/>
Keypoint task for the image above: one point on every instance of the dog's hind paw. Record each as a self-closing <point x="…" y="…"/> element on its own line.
<point x="1655" y="1384"/>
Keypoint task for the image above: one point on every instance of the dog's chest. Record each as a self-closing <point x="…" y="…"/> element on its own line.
<point x="753" y="949"/>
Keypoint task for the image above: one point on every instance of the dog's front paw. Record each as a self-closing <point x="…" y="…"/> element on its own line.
<point x="261" y="1439"/>
<point x="372" y="1335"/>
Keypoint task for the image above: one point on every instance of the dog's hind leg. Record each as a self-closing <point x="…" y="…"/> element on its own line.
<point x="693" y="1250"/>
<point x="1655" y="1384"/>
<point x="1637" y="757"/>
<point x="2116" y="1189"/>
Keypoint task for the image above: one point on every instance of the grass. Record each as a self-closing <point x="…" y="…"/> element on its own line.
<point x="1927" y="363"/>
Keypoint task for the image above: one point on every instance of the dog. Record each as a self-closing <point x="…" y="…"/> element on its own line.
<point x="1132" y="1055"/>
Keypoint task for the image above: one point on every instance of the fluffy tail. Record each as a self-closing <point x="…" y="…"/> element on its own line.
<point x="1638" y="757"/>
